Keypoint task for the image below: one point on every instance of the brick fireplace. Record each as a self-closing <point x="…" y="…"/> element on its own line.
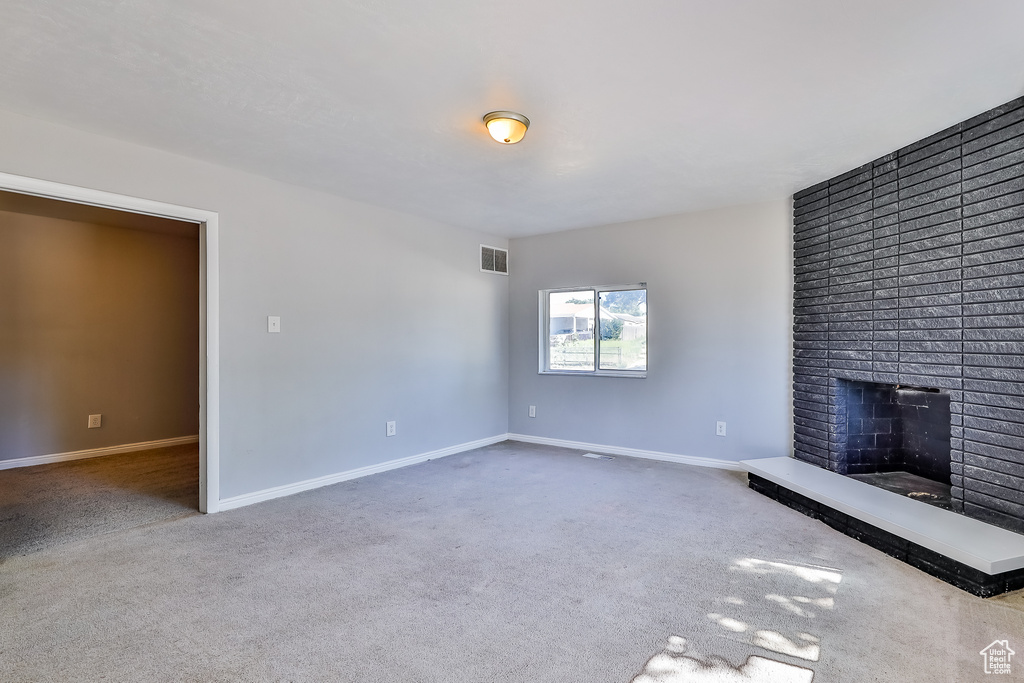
<point x="909" y="286"/>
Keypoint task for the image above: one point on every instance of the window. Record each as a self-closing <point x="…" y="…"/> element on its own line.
<point x="594" y="330"/>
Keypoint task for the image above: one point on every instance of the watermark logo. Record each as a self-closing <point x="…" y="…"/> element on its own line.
<point x="997" y="657"/>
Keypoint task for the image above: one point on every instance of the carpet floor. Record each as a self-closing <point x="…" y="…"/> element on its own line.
<point x="511" y="563"/>
<point x="50" y="505"/>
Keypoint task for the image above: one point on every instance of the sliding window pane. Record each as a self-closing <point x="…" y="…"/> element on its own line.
<point x="623" y="325"/>
<point x="571" y="330"/>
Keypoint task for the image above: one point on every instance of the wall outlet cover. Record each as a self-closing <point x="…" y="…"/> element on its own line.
<point x="95" y="421"/>
<point x="390" y="429"/>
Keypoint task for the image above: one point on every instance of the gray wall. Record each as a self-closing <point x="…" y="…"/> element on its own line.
<point x="385" y="316"/>
<point x="719" y="288"/>
<point x="96" y="319"/>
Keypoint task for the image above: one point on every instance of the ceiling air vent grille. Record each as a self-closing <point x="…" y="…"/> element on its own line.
<point x="493" y="260"/>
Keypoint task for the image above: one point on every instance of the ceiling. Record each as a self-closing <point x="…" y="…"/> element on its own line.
<point x="638" y="109"/>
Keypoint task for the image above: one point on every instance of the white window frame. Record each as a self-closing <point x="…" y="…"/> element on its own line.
<point x="544" y="323"/>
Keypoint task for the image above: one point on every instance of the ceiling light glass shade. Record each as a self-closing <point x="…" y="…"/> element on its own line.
<point x="506" y="127"/>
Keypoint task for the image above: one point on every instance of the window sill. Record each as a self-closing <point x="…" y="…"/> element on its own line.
<point x="596" y="373"/>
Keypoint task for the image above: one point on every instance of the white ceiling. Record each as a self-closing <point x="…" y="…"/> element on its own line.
<point x="638" y="109"/>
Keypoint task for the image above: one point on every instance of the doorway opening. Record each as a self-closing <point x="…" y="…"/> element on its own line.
<point x="81" y="201"/>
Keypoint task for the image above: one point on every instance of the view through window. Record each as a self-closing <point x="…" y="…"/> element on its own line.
<point x="599" y="330"/>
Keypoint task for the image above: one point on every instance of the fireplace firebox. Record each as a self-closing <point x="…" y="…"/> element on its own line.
<point x="895" y="437"/>
<point x="894" y="428"/>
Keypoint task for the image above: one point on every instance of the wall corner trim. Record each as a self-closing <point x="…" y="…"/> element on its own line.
<point x="632" y="452"/>
<point x="337" y="478"/>
<point x="97" y="452"/>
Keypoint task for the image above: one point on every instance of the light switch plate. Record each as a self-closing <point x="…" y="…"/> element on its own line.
<point x="273" y="323"/>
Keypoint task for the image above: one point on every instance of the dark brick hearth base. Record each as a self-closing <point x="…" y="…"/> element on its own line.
<point x="939" y="566"/>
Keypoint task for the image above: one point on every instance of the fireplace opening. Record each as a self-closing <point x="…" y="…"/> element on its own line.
<point x="896" y="437"/>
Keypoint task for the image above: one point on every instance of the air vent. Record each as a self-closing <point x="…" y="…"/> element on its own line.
<point x="493" y="260"/>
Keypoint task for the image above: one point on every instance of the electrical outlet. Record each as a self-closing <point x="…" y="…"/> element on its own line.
<point x="95" y="421"/>
<point x="390" y="429"/>
<point x="719" y="429"/>
<point x="533" y="411"/>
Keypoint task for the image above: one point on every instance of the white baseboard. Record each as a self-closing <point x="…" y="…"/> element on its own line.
<point x="632" y="452"/>
<point x="97" y="452"/>
<point x="327" y="480"/>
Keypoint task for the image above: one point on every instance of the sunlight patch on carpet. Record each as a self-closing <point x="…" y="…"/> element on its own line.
<point x="778" y="606"/>
<point x="673" y="665"/>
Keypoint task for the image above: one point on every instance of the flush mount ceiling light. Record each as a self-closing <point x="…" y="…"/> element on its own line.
<point x="506" y="127"/>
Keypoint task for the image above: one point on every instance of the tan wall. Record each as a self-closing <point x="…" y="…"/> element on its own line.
<point x="95" y="319"/>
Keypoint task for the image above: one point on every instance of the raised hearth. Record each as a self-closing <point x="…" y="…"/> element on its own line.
<point x="972" y="555"/>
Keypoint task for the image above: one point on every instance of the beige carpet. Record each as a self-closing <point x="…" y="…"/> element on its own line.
<point x="510" y="563"/>
<point x="49" y="505"/>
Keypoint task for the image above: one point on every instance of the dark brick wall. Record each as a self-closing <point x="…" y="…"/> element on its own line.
<point x="910" y="270"/>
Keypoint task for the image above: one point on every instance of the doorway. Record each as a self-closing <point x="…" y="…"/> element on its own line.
<point x="207" y="224"/>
